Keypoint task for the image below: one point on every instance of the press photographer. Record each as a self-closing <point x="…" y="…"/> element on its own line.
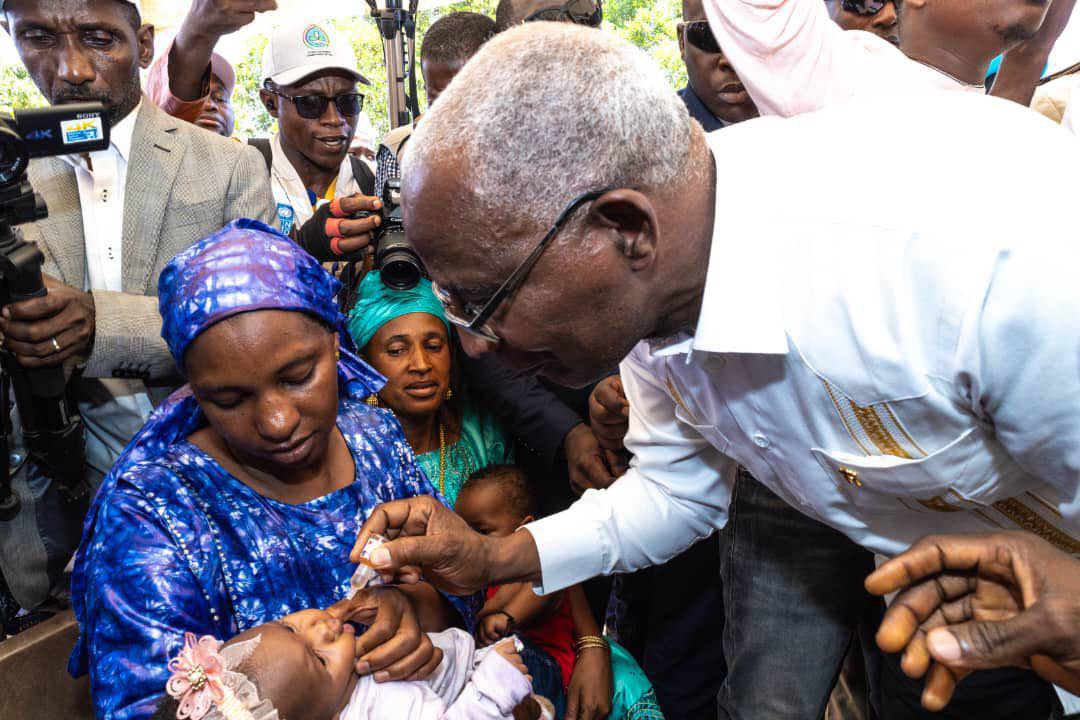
<point x="104" y="243"/>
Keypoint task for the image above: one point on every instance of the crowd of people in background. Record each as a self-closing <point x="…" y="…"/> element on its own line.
<point x="737" y="403"/>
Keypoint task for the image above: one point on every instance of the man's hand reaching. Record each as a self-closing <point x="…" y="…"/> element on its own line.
<point x="974" y="602"/>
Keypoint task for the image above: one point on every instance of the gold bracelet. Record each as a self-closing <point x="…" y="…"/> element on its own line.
<point x="592" y="641"/>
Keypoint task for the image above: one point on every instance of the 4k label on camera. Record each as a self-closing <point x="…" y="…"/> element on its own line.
<point x="83" y="130"/>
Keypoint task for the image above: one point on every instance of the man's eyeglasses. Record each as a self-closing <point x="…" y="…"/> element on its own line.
<point x="700" y="35"/>
<point x="474" y="321"/>
<point x="579" y="12"/>
<point x="313" y="107"/>
<point x="864" y="7"/>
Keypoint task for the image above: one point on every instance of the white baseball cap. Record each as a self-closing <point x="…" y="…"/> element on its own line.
<point x="297" y="51"/>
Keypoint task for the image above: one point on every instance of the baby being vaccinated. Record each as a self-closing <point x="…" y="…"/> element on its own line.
<point x="302" y="667"/>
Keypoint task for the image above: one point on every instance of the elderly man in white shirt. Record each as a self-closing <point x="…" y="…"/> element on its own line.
<point x="889" y="374"/>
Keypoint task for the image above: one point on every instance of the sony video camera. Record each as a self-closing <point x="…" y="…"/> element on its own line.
<point x="52" y="430"/>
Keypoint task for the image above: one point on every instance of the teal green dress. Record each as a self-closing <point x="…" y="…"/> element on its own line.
<point x="483" y="443"/>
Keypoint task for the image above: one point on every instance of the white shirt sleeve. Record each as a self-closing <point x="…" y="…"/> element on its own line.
<point x="1018" y="365"/>
<point x="789" y="54"/>
<point x="676" y="493"/>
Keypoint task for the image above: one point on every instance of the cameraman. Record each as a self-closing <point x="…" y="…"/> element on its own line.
<point x="105" y="242"/>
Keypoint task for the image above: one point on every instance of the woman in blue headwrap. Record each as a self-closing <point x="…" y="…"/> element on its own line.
<point x="404" y="334"/>
<point x="240" y="500"/>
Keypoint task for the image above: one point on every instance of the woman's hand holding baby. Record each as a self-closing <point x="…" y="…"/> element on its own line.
<point x="394" y="647"/>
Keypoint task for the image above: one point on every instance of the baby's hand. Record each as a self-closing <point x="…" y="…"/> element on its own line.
<point x="509" y="650"/>
<point x="493" y="628"/>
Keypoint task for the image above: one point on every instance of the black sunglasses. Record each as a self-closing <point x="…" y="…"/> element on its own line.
<point x="864" y="7"/>
<point x="313" y="107"/>
<point x="699" y="34"/>
<point x="579" y="12"/>
<point x="474" y="321"/>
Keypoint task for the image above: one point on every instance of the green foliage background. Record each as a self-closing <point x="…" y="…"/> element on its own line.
<point x="649" y="24"/>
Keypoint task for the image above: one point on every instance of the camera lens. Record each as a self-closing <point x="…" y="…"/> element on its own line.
<point x="401" y="270"/>
<point x="13" y="155"/>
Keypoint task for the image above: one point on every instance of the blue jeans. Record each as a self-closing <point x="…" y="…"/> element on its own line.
<point x="793" y="597"/>
<point x="546" y="675"/>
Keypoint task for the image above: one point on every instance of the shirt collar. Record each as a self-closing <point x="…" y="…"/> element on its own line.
<point x="741" y="311"/>
<point x="122" y="134"/>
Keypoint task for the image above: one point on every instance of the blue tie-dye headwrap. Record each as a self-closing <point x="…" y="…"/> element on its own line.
<point x="245" y="266"/>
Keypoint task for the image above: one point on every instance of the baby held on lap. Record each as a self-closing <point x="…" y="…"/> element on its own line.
<point x="302" y="667"/>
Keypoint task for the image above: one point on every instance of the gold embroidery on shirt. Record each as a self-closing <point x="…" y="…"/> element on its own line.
<point x="938" y="504"/>
<point x="1031" y="521"/>
<point x="843" y="418"/>
<point x="678" y="399"/>
<point x="903" y="430"/>
<point x="877" y="432"/>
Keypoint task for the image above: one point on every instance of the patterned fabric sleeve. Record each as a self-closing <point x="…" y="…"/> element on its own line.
<point x="141" y="595"/>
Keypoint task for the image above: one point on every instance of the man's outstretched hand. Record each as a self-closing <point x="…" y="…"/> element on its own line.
<point x="428" y="541"/>
<point x="974" y="602"/>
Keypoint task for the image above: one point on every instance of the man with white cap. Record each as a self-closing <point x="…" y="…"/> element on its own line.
<point x="105" y="242"/>
<point x="310" y="87"/>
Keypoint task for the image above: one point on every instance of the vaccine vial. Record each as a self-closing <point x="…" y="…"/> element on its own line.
<point x="366" y="575"/>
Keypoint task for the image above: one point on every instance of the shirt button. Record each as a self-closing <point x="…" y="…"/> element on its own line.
<point x="761" y="441"/>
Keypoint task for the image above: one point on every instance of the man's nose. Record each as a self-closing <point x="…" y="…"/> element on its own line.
<point x="74" y="68"/>
<point x="332" y="117"/>
<point x="476" y="346"/>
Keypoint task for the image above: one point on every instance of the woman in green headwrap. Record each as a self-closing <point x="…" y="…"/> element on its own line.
<point x="405" y="336"/>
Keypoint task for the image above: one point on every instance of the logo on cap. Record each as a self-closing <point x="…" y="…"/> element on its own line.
<point x="316" y="38"/>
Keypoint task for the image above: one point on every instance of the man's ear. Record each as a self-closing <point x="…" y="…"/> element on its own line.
<point x="269" y="101"/>
<point x="631" y="216"/>
<point x="146" y="45"/>
<point x="680" y="31"/>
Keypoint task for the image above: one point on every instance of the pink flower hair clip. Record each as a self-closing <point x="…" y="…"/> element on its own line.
<point x="196" y="679"/>
<point x="205" y="681"/>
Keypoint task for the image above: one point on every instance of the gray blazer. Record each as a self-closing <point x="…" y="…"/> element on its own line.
<point x="183" y="183"/>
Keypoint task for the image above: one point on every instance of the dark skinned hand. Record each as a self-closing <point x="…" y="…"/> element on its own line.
<point x="29" y="326"/>
<point x="492" y="628"/>
<point x="609" y="416"/>
<point x="591" y="686"/>
<point x="586" y="462"/>
<point x="222" y="17"/>
<point x="425" y="533"/>
<point x="352" y="220"/>
<point x="974" y="602"/>
<point x="394" y="647"/>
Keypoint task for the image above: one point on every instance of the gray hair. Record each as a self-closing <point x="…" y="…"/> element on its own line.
<point x="548" y="111"/>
